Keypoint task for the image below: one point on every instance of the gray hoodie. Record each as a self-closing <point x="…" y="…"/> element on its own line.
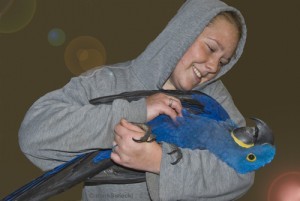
<point x="64" y="121"/>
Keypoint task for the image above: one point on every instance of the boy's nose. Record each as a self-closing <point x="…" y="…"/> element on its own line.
<point x="212" y="66"/>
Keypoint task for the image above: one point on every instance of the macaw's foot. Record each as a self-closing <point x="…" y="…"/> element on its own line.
<point x="179" y="154"/>
<point x="148" y="137"/>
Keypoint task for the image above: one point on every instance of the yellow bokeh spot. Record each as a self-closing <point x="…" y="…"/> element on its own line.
<point x="84" y="53"/>
<point x="93" y="58"/>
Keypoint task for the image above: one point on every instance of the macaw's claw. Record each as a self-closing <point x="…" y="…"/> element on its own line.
<point x="148" y="137"/>
<point x="179" y="154"/>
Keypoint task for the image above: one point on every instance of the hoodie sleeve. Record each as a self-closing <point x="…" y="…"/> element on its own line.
<point x="63" y="123"/>
<point x="200" y="175"/>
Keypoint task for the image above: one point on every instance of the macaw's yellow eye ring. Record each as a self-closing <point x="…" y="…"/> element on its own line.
<point x="251" y="157"/>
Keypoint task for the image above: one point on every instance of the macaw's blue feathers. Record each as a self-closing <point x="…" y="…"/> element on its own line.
<point x="204" y="125"/>
<point x="201" y="132"/>
<point x="211" y="129"/>
<point x="212" y="109"/>
<point x="103" y="154"/>
<point x="190" y="131"/>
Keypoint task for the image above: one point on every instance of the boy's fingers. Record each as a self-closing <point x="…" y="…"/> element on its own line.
<point x="131" y="126"/>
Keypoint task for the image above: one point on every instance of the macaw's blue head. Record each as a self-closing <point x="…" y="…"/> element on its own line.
<point x="251" y="159"/>
<point x="256" y="146"/>
<point x="229" y="145"/>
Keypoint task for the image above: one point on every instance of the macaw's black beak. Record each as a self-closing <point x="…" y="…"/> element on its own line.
<point x="250" y="136"/>
<point x="263" y="132"/>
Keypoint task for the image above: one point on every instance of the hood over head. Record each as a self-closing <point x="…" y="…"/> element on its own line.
<point x="154" y="66"/>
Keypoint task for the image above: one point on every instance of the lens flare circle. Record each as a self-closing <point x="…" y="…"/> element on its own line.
<point x="286" y="187"/>
<point x="84" y="53"/>
<point x="56" y="37"/>
<point x="15" y="14"/>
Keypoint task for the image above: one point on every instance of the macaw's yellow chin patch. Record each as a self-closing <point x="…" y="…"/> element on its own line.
<point x="241" y="143"/>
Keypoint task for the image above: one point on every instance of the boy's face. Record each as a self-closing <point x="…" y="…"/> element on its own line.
<point x="205" y="57"/>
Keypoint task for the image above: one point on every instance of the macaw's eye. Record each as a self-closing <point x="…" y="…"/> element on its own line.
<point x="251" y="157"/>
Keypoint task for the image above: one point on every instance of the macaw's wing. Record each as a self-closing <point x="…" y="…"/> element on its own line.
<point x="130" y="96"/>
<point x="117" y="175"/>
<point x="186" y="98"/>
<point x="61" y="178"/>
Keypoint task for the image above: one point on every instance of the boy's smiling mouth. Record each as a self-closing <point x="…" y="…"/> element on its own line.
<point x="197" y="72"/>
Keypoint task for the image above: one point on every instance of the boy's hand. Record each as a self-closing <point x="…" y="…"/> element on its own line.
<point x="128" y="153"/>
<point x="161" y="103"/>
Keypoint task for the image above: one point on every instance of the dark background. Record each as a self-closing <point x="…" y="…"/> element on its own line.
<point x="264" y="83"/>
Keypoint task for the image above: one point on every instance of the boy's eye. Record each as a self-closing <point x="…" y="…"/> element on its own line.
<point x="223" y="62"/>
<point x="211" y="49"/>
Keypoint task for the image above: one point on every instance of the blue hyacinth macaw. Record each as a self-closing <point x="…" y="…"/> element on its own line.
<point x="204" y="125"/>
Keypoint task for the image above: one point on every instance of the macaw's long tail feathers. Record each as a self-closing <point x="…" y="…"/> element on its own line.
<point x="60" y="178"/>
